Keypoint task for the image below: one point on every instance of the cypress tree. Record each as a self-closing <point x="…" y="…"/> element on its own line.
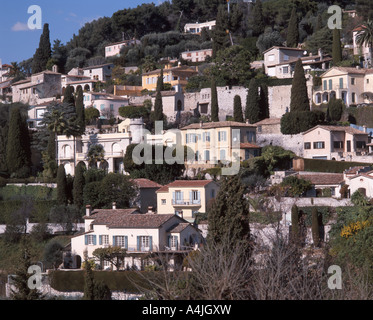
<point x="61" y="186"/>
<point x="229" y="215"/>
<point x="299" y="94"/>
<point x="252" y="111"/>
<point x="315" y="227"/>
<point x="79" y="108"/>
<point x="337" y="47"/>
<point x="293" y="32"/>
<point x="18" y="153"/>
<point x="158" y="104"/>
<point x="335" y="109"/>
<point x="237" y="109"/>
<point x="68" y="96"/>
<point x="214" y="102"/>
<point x="319" y="24"/>
<point x="78" y="186"/>
<point x="263" y="102"/>
<point x="257" y="19"/>
<point x="43" y="52"/>
<point x="295" y="230"/>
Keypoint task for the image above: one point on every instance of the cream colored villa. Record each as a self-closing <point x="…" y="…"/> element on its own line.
<point x="224" y="141"/>
<point x="186" y="198"/>
<point x="140" y="234"/>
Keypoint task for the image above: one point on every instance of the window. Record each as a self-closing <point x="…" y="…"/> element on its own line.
<point x="173" y="242"/>
<point x="286" y="57"/>
<point x="206" y="137"/>
<point x="104" y="240"/>
<point x="102" y="107"/>
<point x="90" y="240"/>
<point x="164" y="202"/>
<point x="195" y="196"/>
<point x="319" y="145"/>
<point x="325" y="85"/>
<point x="352" y="81"/>
<point x="222" y="136"/>
<point x="338" y="144"/>
<point x="307" y="145"/>
<point x="353" y="96"/>
<point x="330" y="84"/>
<point x="285" y="70"/>
<point x="340" y="83"/>
<point x="360" y="144"/>
<point x="213" y="193"/>
<point x="207" y="155"/>
<point x="222" y="155"/>
<point x="111" y="107"/>
<point x="144" y="243"/>
<point x="120" y="241"/>
<point x="368" y="81"/>
<point x="251" y="137"/>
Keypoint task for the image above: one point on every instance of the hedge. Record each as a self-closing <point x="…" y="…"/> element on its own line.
<point x="12" y="192"/>
<point x="332" y="166"/>
<point x="126" y="281"/>
<point x="324" y="211"/>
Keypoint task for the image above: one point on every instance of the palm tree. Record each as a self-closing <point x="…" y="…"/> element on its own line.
<point x="95" y="155"/>
<point x="16" y="72"/>
<point x="365" y="37"/>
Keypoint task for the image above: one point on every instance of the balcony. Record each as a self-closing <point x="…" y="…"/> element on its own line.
<point x="186" y="203"/>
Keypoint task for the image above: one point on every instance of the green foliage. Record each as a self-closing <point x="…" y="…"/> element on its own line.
<point x="219" y="35"/>
<point x="61" y="185"/>
<point x="315" y="227"/>
<point x="80" y="111"/>
<point x="268" y="40"/>
<point x="299" y="121"/>
<point x="252" y="110"/>
<point x="257" y="23"/>
<point x="316" y="165"/>
<point x="91" y="114"/>
<point x="53" y="253"/>
<point x="337" y="47"/>
<point x="296" y="187"/>
<point x="78" y="187"/>
<point x="66" y="216"/>
<point x="158" y="104"/>
<point x="295" y="223"/>
<point x="133" y="112"/>
<point x="358" y="199"/>
<point x="335" y="109"/>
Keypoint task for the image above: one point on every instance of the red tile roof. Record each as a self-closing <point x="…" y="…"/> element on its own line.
<point x="249" y="146"/>
<point x="221" y="124"/>
<point x="185" y="184"/>
<point x="323" y="178"/>
<point x="147" y="184"/>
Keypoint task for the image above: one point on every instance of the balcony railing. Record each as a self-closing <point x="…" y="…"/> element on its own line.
<point x="186" y="202"/>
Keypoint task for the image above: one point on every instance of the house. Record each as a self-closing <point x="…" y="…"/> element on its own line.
<point x="197" y="55"/>
<point x="36" y="115"/>
<point x="107" y="104"/>
<point x="196" y="28"/>
<point x="128" y="91"/>
<point x="147" y="194"/>
<point x="269" y="126"/>
<point x="172" y="102"/>
<point x="360" y="179"/>
<point x="220" y="142"/>
<point x="100" y="72"/>
<point x="142" y="235"/>
<point x="280" y="61"/>
<point x="40" y="86"/>
<point x="351" y="85"/>
<point x="334" y="143"/>
<point x="323" y="183"/>
<point x="186" y="198"/>
<point x="361" y="50"/>
<point x="5" y="70"/>
<point x="114" y="49"/>
<point x="71" y="151"/>
<point x="175" y="76"/>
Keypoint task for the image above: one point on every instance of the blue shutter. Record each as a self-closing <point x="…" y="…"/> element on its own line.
<point x="199" y="195"/>
<point x="151" y="243"/>
<point x="94" y="240"/>
<point x="114" y="241"/>
<point x="126" y="242"/>
<point x="182" y="197"/>
<point x="86" y="240"/>
<point x="191" y="196"/>
<point x="169" y="241"/>
<point x="100" y="240"/>
<point x="177" y="243"/>
<point x="138" y="243"/>
<point x="173" y="198"/>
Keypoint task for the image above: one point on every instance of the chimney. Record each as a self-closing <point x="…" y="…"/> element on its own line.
<point x="88" y="210"/>
<point x="114" y="206"/>
<point x="201" y="124"/>
<point x="365" y="129"/>
<point x="151" y="210"/>
<point x="247" y="121"/>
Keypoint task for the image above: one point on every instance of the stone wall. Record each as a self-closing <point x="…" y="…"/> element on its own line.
<point x="289" y="142"/>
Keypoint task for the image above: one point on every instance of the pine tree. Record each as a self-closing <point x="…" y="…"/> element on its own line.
<point x="214" y="102"/>
<point x="319" y="24"/>
<point x="220" y="34"/>
<point x="299" y="94"/>
<point x="43" y="52"/>
<point x="78" y="186"/>
<point x="337" y="47"/>
<point x="315" y="227"/>
<point x="237" y="109"/>
<point x="229" y="215"/>
<point x="80" y="111"/>
<point x="61" y="186"/>
<point x="293" y="32"/>
<point x="18" y="153"/>
<point x="257" y="19"/>
<point x="158" y="104"/>
<point x="252" y="111"/>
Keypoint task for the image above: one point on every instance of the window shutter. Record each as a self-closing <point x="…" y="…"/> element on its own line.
<point x="169" y="241"/>
<point x="126" y="242"/>
<point x="173" y="197"/>
<point x="100" y="240"/>
<point x="199" y="196"/>
<point x="151" y="243"/>
<point x="86" y="240"/>
<point x="177" y="242"/>
<point x="191" y="196"/>
<point x="94" y="240"/>
<point x="138" y="243"/>
<point x="114" y="244"/>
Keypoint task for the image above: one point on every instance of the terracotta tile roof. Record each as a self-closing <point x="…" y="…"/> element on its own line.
<point x="268" y="121"/>
<point x="221" y="124"/>
<point x="349" y="130"/>
<point x="146" y="183"/>
<point x="323" y="178"/>
<point x="249" y="146"/>
<point x="185" y="184"/>
<point x="130" y="219"/>
<point x="355" y="170"/>
<point x="177" y="228"/>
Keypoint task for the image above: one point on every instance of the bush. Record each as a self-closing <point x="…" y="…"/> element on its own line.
<point x="332" y="166"/>
<point x="299" y="121"/>
<point x="133" y="112"/>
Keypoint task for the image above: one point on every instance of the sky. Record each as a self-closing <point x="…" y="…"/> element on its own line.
<point x="18" y="42"/>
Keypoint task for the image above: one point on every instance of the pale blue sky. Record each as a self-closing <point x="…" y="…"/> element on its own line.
<point x="65" y="18"/>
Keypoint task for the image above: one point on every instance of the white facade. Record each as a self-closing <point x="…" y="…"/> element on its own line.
<point x="99" y="73"/>
<point x="197" y="27"/>
<point x="115" y="48"/>
<point x="196" y="56"/>
<point x="107" y="104"/>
